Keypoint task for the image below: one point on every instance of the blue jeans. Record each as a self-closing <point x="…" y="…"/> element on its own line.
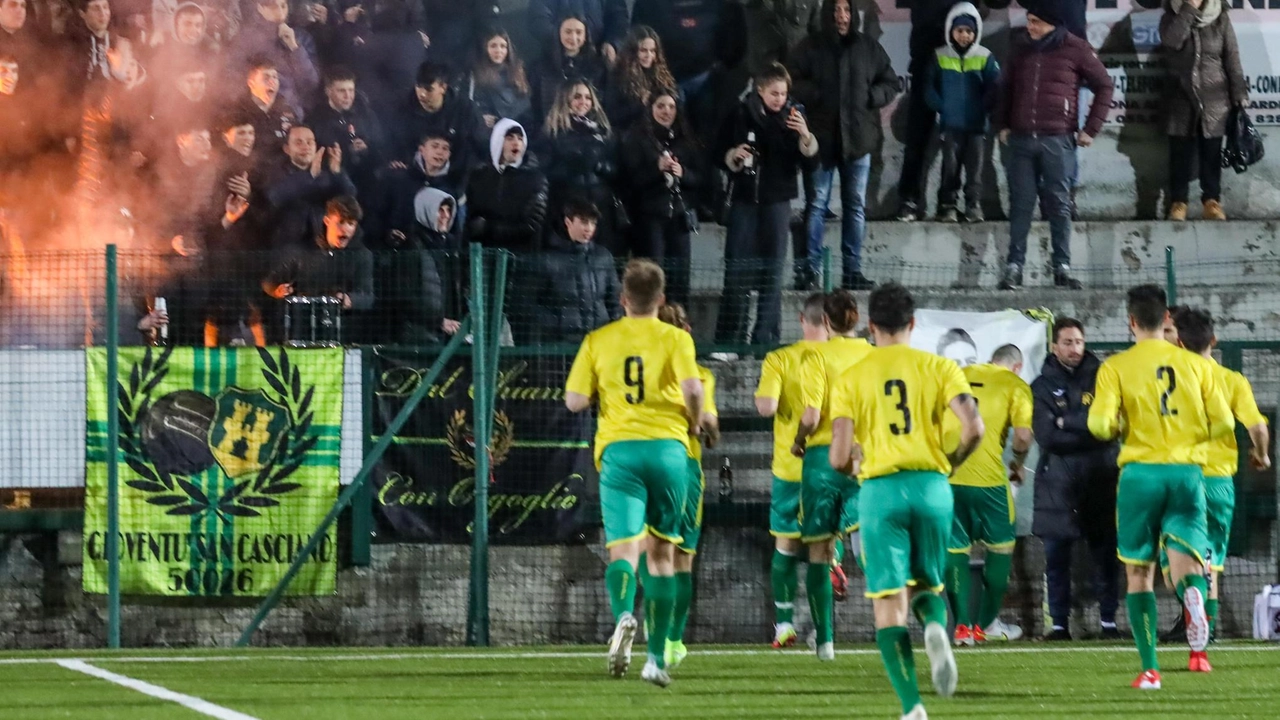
<point x="854" y="175"/>
<point x="1040" y="167"/>
<point x="754" y="257"/>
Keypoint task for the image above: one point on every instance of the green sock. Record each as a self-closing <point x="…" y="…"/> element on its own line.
<point x="1193" y="581"/>
<point x="929" y="607"/>
<point x="782" y="575"/>
<point x="660" y="599"/>
<point x="620" y="580"/>
<point x="1142" y="619"/>
<point x="958" y="586"/>
<point x="680" y="613"/>
<point x="1211" y="609"/>
<point x="818" y="583"/>
<point x="895" y="651"/>
<point x="838" y="557"/>
<point x="642" y="570"/>
<point x="995" y="575"/>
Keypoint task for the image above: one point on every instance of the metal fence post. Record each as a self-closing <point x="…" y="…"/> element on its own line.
<point x="1170" y="276"/>
<point x="113" y="452"/>
<point x="482" y="411"/>
<point x="828" y="281"/>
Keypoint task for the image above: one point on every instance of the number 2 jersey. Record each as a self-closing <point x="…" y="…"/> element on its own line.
<point x="897" y="398"/>
<point x="1165" y="401"/>
<point x="634" y="366"/>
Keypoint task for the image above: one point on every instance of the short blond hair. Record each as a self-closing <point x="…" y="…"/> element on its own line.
<point x="643" y="283"/>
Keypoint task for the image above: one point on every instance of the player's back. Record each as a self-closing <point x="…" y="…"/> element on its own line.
<point x="635" y="366"/>
<point x="821" y="368"/>
<point x="1168" y="399"/>
<point x="1004" y="402"/>
<point x="780" y="379"/>
<point x="897" y="398"/>
<point x="1222" y="454"/>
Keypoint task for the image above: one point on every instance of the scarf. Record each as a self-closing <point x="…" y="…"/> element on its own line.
<point x="1208" y="13"/>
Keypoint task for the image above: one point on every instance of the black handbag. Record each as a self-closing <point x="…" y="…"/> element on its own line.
<point x="1244" y="144"/>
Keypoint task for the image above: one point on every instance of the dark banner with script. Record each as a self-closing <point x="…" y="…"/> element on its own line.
<point x="424" y="487"/>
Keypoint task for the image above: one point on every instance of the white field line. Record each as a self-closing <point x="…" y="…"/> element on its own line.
<point x="571" y="654"/>
<point x="203" y="707"/>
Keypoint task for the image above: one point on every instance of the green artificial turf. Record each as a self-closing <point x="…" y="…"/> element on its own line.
<point x="1038" y="682"/>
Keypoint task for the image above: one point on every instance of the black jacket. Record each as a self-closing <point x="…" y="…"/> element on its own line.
<point x="778" y="147"/>
<point x="842" y="82"/>
<point x="571" y="290"/>
<point x="457" y="119"/>
<point x="690" y="31"/>
<point x="649" y="193"/>
<point x="507" y="208"/>
<point x="580" y="162"/>
<point x="555" y="69"/>
<point x="1075" y="483"/>
<point x="336" y="127"/>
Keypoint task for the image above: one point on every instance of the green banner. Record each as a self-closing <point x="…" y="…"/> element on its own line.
<point x="228" y="463"/>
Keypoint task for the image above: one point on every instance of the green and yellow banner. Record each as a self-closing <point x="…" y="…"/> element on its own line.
<point x="228" y="463"/>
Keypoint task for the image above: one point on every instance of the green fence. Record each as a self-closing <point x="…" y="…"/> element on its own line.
<point x="455" y="573"/>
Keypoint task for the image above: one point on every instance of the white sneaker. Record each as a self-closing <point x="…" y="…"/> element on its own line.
<point x="624" y="633"/>
<point x="942" y="662"/>
<point x="917" y="713"/>
<point x="724" y="357"/>
<point x="827" y="651"/>
<point x="655" y="675"/>
<point x="999" y="631"/>
<point x="1197" y="620"/>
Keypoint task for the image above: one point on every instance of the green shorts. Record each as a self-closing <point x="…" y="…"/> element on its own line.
<point x="828" y="498"/>
<point x="1220" y="506"/>
<point x="906" y="520"/>
<point x="691" y="525"/>
<point x="1160" y="504"/>
<point x="643" y="484"/>
<point x="784" y="508"/>
<point x="983" y="515"/>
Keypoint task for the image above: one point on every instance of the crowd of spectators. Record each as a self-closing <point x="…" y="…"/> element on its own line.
<point x="277" y="149"/>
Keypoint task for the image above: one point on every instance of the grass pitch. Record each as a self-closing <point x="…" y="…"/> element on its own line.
<point x="1024" y="680"/>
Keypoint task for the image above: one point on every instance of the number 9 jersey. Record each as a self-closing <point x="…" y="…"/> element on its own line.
<point x="897" y="398"/>
<point x="634" y="366"/>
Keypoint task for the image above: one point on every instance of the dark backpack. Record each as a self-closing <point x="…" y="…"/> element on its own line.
<point x="1244" y="144"/>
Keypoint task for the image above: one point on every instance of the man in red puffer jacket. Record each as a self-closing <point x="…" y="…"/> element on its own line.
<point x="1037" y="120"/>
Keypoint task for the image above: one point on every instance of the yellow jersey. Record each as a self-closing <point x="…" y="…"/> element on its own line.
<point x="1223" y="454"/>
<point x="780" y="380"/>
<point x="820" y="368"/>
<point x="1165" y="403"/>
<point x="708" y="407"/>
<point x="634" y="367"/>
<point x="1004" y="402"/>
<point x="897" y="398"/>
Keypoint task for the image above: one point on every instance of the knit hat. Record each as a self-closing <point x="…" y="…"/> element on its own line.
<point x="1048" y="11"/>
<point x="966" y="21"/>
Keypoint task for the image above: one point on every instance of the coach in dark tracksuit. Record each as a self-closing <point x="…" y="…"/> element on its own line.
<point x="1075" y="483"/>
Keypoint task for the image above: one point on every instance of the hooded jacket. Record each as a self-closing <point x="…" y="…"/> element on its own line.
<point x="1040" y="88"/>
<point x="394" y="206"/>
<point x="457" y="119"/>
<point x="1075" y="487"/>
<point x="842" y="82"/>
<point x="962" y="87"/>
<point x="1206" y="78"/>
<point x="507" y="205"/>
<point x="418" y="279"/>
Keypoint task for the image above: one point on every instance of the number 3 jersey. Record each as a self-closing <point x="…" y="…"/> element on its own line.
<point x="634" y="366"/>
<point x="897" y="398"/>
<point x="1165" y="401"/>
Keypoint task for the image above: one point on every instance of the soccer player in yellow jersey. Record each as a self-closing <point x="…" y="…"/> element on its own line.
<point x="1166" y="405"/>
<point x="828" y="499"/>
<point x="645" y="377"/>
<point x="691" y="528"/>
<point x="983" y="499"/>
<point x="888" y="413"/>
<point x="779" y="396"/>
<point x="1195" y="333"/>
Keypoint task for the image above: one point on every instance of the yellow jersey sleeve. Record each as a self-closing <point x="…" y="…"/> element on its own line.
<point x="684" y="357"/>
<point x="1021" y="405"/>
<point x="1216" y="404"/>
<point x="813" y="379"/>
<point x="1105" y="412"/>
<point x="582" y="375"/>
<point x="953" y="383"/>
<point x="1223" y="453"/>
<point x="1243" y="404"/>
<point x="709" y="391"/>
<point x="771" y="373"/>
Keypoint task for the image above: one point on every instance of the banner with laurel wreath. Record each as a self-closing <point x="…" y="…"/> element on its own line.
<point x="229" y="460"/>
<point x="542" y="468"/>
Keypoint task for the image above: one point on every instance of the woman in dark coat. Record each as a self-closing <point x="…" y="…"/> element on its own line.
<point x="1205" y="82"/>
<point x="641" y="71"/>
<point x="578" y="152"/>
<point x="661" y="162"/>
<point x="573" y="58"/>
<point x="499" y="86"/>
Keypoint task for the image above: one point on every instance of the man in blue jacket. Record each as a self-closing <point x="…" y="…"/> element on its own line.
<point x="962" y="87"/>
